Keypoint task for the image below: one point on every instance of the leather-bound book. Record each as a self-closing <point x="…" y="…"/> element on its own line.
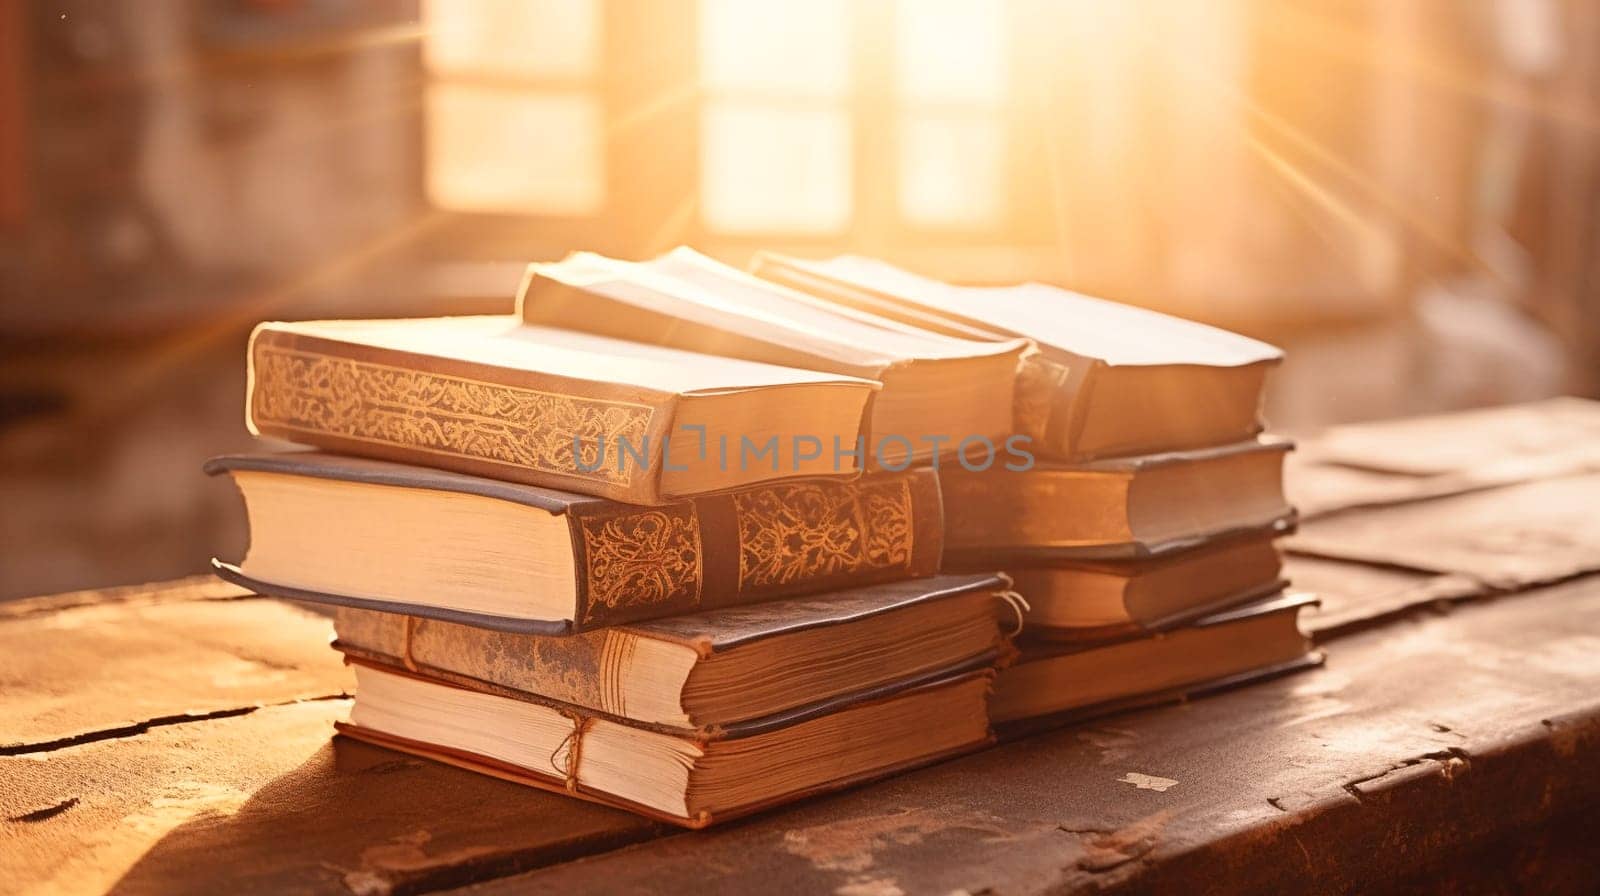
<point x="937" y="390"/>
<point x="1107" y="379"/>
<point x="1084" y="600"/>
<point x="515" y="557"/>
<point x="490" y="396"/>
<point x="706" y="672"/>
<point x="691" y="780"/>
<point x="1064" y="682"/>
<point x="1119" y="508"/>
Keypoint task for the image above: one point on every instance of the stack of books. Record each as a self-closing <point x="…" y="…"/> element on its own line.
<point x="1141" y="530"/>
<point x="696" y="541"/>
<point x="544" y="569"/>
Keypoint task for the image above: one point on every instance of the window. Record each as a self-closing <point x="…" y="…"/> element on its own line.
<point x="803" y="99"/>
<point x="950" y="90"/>
<point x="775" y="130"/>
<point x="514" y="116"/>
<point x="885" y="123"/>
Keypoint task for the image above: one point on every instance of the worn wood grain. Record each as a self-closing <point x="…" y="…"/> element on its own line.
<point x="206" y="587"/>
<point x="272" y="802"/>
<point x="1357" y="596"/>
<point x="1419" y="743"/>
<point x="85" y="669"/>
<point x="1564" y="428"/>
<point x="1401" y="461"/>
<point x="1507" y="538"/>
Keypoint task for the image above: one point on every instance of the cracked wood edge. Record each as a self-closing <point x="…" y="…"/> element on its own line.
<point x="201" y="587"/>
<point x="270" y="802"/>
<point x="92" y="670"/>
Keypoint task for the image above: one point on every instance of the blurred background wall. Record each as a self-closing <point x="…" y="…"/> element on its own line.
<point x="1403" y="193"/>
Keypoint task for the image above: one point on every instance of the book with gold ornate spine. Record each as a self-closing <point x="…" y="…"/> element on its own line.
<point x="710" y="671"/>
<point x="493" y="397"/>
<point x="515" y="557"/>
<point x="1121" y="508"/>
<point x="1106" y="379"/>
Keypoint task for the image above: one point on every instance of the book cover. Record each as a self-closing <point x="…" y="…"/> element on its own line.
<point x="493" y="397"/>
<point x="635" y="562"/>
<point x="603" y="671"/>
<point x="1106" y="378"/>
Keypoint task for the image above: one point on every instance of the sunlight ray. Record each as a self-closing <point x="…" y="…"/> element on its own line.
<point x="1321" y="35"/>
<point x="245" y="310"/>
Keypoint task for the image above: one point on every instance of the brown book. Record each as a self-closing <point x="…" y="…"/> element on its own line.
<point x="937" y="390"/>
<point x="693" y="780"/>
<point x="489" y="396"/>
<point x="1107" y="379"/>
<point x="1089" y="600"/>
<point x="717" y="670"/>
<point x="1051" y="680"/>
<point x="1119" y="508"/>
<point x="517" y="557"/>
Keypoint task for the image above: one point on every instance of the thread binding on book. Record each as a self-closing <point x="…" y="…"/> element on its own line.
<point x="405" y="652"/>
<point x="1018" y="605"/>
<point x="573" y="744"/>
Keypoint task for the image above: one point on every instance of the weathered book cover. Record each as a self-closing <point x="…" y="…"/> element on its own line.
<point x="1081" y="342"/>
<point x="484" y="396"/>
<point x="636" y="562"/>
<point x="1284" y="604"/>
<point x="589" y="670"/>
<point x="951" y="686"/>
<point x="1087" y="511"/>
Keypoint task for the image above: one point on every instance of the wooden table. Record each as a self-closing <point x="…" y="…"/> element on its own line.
<point x="177" y="738"/>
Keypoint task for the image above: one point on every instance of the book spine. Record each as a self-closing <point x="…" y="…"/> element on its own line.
<point x="582" y="670"/>
<point x="456" y="415"/>
<point x="756" y="544"/>
<point x="1052" y="401"/>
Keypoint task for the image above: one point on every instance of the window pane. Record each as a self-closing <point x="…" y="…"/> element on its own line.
<point x="952" y="171"/>
<point x="951" y="50"/>
<point x="778" y="45"/>
<point x="525" y="151"/>
<point x="766" y="169"/>
<point x="517" y="38"/>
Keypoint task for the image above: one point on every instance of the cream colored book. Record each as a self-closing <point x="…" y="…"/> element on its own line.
<point x="1107" y="379"/>
<point x="937" y="390"/>
<point x="493" y="397"/>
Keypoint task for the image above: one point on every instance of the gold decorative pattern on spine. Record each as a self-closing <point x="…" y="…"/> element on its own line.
<point x="802" y="531"/>
<point x="642" y="558"/>
<point x="313" y="393"/>
<point x="1038" y="381"/>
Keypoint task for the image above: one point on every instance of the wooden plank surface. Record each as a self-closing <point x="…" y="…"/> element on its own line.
<point x="1356" y="595"/>
<point x="1512" y="537"/>
<point x="272" y="802"/>
<point x="165" y="738"/>
<point x="1415" y="746"/>
<point x="75" y="668"/>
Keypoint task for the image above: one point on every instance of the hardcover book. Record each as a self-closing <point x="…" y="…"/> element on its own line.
<point x="1050" y="680"/>
<point x="1107" y="379"/>
<point x="1113" y="509"/>
<point x="711" y="671"/>
<point x="492" y="397"/>
<point x="690" y="780"/>
<point x="1096" y="600"/>
<point x="515" y="557"/>
<point x="937" y="390"/>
